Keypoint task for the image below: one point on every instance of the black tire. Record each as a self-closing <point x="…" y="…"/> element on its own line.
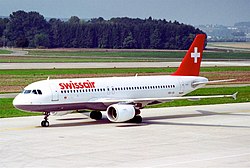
<point x="96" y="115"/>
<point x="45" y="123"/>
<point x="136" y="119"/>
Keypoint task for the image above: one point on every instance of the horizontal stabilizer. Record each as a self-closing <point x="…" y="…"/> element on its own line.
<point x="211" y="82"/>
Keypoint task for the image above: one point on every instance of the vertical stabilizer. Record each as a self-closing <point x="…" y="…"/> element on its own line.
<point x="190" y="65"/>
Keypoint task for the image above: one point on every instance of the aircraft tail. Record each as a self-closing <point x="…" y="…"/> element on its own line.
<point x="190" y="65"/>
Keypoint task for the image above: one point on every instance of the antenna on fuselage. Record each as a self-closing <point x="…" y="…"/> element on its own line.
<point x="48" y="78"/>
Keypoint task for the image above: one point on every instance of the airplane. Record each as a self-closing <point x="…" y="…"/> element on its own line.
<point x="121" y="97"/>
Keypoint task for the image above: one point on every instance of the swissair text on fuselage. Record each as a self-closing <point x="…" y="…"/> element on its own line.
<point x="77" y="85"/>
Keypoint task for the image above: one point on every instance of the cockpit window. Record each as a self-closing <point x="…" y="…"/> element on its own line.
<point x="26" y="91"/>
<point x="32" y="91"/>
<point x="39" y="92"/>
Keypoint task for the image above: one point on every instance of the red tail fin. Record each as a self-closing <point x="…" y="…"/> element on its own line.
<point x="190" y="65"/>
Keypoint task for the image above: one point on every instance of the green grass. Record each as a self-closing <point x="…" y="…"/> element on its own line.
<point x="39" y="59"/>
<point x="84" y="71"/>
<point x="46" y="72"/>
<point x="138" y="54"/>
<point x="155" y="54"/>
<point x="7" y="109"/>
<point x="48" y="56"/>
<point x="229" y="55"/>
<point x="5" y="52"/>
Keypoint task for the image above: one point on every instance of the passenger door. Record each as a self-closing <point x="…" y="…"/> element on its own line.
<point x="182" y="87"/>
<point x="54" y="91"/>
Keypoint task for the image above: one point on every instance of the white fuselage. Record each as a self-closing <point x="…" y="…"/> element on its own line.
<point x="88" y="93"/>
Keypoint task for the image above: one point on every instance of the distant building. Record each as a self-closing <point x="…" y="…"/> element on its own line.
<point x="248" y="37"/>
<point x="237" y="33"/>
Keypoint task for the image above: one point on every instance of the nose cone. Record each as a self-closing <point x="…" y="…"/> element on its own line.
<point x="19" y="102"/>
<point x="16" y="101"/>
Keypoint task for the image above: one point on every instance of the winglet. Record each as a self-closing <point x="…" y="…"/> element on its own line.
<point x="234" y="96"/>
<point x="190" y="65"/>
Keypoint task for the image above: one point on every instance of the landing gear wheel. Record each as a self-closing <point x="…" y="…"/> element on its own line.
<point x="44" y="123"/>
<point x="97" y="115"/>
<point x="136" y="119"/>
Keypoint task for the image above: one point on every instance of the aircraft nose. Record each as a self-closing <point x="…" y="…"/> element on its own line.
<point x="18" y="102"/>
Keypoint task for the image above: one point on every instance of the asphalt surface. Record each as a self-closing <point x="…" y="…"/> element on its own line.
<point x="115" y="65"/>
<point x="195" y="136"/>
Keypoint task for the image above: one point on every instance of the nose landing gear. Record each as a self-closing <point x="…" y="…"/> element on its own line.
<point x="45" y="122"/>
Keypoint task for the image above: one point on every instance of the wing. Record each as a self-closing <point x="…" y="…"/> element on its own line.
<point x="148" y="101"/>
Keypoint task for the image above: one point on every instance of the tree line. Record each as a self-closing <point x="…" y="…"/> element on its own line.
<point x="31" y="29"/>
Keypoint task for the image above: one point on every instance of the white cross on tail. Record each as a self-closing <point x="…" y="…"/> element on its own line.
<point x="195" y="54"/>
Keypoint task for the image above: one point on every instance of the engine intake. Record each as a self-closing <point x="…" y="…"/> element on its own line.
<point x="120" y="112"/>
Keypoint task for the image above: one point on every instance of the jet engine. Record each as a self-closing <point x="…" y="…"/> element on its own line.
<point x="120" y="112"/>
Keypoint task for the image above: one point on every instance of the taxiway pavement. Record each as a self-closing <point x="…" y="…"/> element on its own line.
<point x="194" y="136"/>
<point x="115" y="65"/>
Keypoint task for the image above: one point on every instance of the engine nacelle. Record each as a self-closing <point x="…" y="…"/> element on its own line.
<point x="120" y="112"/>
<point x="60" y="113"/>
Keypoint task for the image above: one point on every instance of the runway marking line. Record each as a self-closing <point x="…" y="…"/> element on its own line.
<point x="209" y="159"/>
<point x="17" y="129"/>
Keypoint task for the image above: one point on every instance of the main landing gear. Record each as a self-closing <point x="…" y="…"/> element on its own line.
<point x="137" y="118"/>
<point x="96" y="115"/>
<point x="45" y="122"/>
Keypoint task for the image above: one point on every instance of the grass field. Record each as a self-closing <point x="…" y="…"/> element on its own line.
<point x="7" y="109"/>
<point x="43" y="56"/>
<point x="35" y="72"/>
<point x="139" y="54"/>
<point x="5" y="51"/>
<point x="230" y="45"/>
